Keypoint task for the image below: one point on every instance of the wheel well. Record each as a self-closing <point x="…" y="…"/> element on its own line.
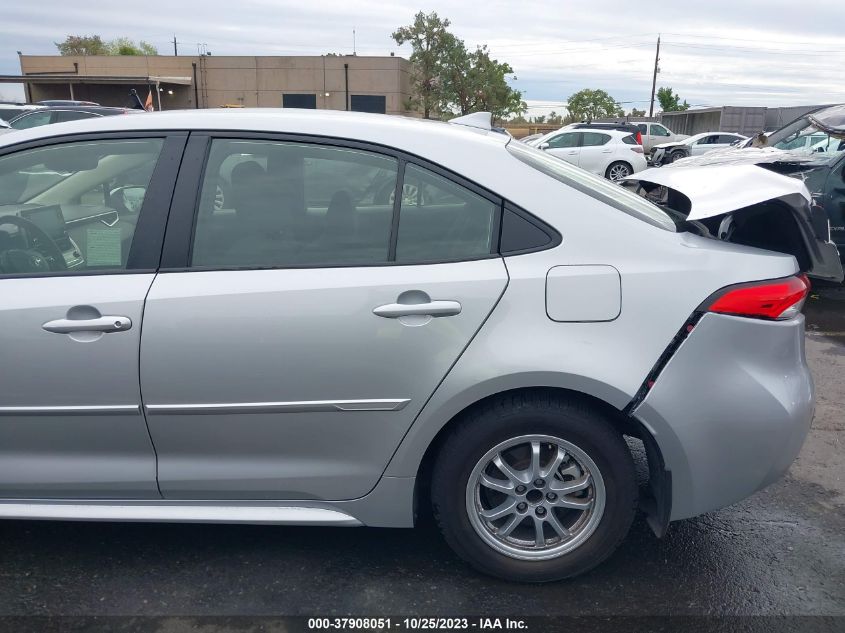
<point x="624" y="425"/>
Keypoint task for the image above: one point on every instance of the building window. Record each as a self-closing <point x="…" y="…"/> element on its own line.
<point x="369" y="103"/>
<point x="299" y="101"/>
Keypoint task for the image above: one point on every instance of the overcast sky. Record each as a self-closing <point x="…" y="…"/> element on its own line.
<point x="719" y="52"/>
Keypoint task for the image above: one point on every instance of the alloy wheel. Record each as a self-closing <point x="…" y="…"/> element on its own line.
<point x="535" y="497"/>
<point x="618" y="172"/>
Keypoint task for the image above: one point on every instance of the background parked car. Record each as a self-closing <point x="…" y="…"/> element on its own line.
<point x="67" y="102"/>
<point x="4" y="127"/>
<point x="60" y="114"/>
<point x="530" y="138"/>
<point x="10" y="110"/>
<point x="609" y="153"/>
<point x="656" y="133"/>
<point x="665" y="153"/>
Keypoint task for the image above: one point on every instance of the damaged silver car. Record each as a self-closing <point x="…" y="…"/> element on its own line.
<point x="811" y="149"/>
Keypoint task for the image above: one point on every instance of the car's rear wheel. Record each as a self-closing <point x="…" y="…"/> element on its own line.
<point x="618" y="170"/>
<point x="534" y="487"/>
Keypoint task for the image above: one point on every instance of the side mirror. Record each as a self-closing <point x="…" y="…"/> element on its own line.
<point x="543" y="146"/>
<point x="131" y="196"/>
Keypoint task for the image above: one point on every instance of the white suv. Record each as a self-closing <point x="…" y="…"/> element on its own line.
<point x="609" y="153"/>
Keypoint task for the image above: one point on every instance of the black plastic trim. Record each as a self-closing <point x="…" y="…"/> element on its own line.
<point x="555" y="238"/>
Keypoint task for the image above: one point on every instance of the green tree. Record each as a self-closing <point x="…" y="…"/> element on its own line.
<point x="592" y="104"/>
<point x="555" y="118"/>
<point x="430" y="44"/>
<point x="94" y="45"/>
<point x="449" y="78"/>
<point x="125" y="46"/>
<point x="82" y="45"/>
<point x="635" y="112"/>
<point x="670" y="101"/>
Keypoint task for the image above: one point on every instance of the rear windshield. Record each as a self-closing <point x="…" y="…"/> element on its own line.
<point x="594" y="186"/>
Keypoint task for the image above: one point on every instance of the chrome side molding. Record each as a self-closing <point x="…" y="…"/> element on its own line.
<point x="277" y="407"/>
<point x="188" y="512"/>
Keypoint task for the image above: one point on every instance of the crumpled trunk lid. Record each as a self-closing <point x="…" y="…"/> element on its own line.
<point x="746" y="204"/>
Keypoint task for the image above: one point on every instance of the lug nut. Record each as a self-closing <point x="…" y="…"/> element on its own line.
<point x="520" y="489"/>
<point x="541" y="511"/>
<point x="539" y="483"/>
<point x="551" y="496"/>
<point x="522" y="507"/>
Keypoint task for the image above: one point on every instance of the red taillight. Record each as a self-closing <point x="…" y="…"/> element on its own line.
<point x="775" y="299"/>
<point x="639" y="137"/>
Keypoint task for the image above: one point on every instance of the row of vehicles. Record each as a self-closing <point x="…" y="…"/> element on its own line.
<point x="22" y="116"/>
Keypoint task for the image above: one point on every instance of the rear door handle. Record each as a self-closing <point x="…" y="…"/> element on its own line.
<point x="432" y="308"/>
<point x="100" y="324"/>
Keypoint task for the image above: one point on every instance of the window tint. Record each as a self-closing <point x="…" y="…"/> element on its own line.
<point x="570" y="139"/>
<point x="73" y="206"/>
<point x="268" y="204"/>
<point x="643" y="128"/>
<point x="32" y="120"/>
<point x="593" y="139"/>
<point x="440" y="220"/>
<point x="727" y="138"/>
<point x="630" y="140"/>
<point x="519" y="234"/>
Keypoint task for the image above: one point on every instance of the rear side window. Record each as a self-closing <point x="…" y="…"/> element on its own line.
<point x="72" y="115"/>
<point x="440" y="220"/>
<point x="594" y="139"/>
<point x="267" y="204"/>
<point x="592" y="185"/>
<point x="630" y="140"/>
<point x="35" y="119"/>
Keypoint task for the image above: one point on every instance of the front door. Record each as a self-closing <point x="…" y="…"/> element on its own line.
<point x="290" y="355"/>
<point x="565" y="146"/>
<point x="74" y="270"/>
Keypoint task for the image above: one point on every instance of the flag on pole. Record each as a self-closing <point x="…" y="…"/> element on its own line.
<point x="148" y="104"/>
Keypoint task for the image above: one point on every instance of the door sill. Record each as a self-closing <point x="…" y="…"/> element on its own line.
<point x="173" y="512"/>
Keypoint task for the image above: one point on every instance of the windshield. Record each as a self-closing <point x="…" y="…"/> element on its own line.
<point x="594" y="186"/>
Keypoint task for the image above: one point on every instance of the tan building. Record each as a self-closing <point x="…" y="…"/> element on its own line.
<point x="369" y="84"/>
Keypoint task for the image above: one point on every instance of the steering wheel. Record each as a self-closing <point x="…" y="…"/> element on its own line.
<point x="30" y="260"/>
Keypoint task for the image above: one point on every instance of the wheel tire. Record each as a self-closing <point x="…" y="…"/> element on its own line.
<point x="517" y="415"/>
<point x="676" y="155"/>
<point x="618" y="170"/>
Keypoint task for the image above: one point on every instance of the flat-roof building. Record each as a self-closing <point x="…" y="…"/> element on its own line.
<point x="335" y="82"/>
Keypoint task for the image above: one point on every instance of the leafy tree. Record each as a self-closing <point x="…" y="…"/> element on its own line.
<point x="448" y="77"/>
<point x="94" y="45"/>
<point x="635" y="112"/>
<point x="592" y="104"/>
<point x="540" y="118"/>
<point x="555" y="118"/>
<point x="125" y="46"/>
<point x="670" y="101"/>
<point x="430" y="44"/>
<point x="82" y="45"/>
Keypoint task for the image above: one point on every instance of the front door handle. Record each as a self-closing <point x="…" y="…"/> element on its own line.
<point x="100" y="324"/>
<point x="431" y="308"/>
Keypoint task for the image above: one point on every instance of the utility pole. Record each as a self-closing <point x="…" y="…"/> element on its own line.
<point x="175" y="50"/>
<point x="654" y="79"/>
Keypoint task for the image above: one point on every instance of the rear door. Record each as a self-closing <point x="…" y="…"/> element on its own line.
<point x="71" y="424"/>
<point x="304" y="321"/>
<point x="596" y="152"/>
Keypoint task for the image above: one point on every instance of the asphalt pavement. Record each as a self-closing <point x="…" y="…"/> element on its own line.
<point x="781" y="552"/>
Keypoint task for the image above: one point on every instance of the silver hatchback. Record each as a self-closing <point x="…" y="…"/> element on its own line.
<point x="322" y="318"/>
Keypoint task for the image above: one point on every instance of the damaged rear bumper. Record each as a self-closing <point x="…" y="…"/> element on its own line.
<point x="730" y="410"/>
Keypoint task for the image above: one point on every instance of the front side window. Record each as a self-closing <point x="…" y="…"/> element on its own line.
<point x="74" y="206"/>
<point x="267" y="204"/>
<point x="439" y="220"/>
<point x="659" y="130"/>
<point x="594" y="139"/>
<point x="570" y="139"/>
<point x="31" y="120"/>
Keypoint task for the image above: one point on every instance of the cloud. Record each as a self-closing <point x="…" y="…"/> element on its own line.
<point x="755" y="52"/>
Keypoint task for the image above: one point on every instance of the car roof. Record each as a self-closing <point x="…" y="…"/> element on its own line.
<point x="434" y="140"/>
